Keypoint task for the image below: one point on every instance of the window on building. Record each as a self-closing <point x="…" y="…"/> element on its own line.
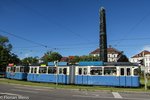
<point x="96" y="71"/>
<point x="109" y="70"/>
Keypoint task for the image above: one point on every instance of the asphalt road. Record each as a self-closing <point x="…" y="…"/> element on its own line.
<point x="20" y="92"/>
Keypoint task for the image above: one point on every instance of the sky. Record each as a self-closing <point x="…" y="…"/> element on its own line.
<point x="71" y="27"/>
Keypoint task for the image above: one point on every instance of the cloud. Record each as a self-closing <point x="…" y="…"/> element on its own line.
<point x="146" y="47"/>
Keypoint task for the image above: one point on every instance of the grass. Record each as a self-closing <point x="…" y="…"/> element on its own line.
<point x="78" y="87"/>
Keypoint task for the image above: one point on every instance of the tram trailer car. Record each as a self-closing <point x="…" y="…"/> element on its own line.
<point x="98" y="73"/>
<point x="52" y="73"/>
<point x="17" y="72"/>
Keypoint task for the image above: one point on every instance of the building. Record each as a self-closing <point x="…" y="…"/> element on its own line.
<point x="142" y="58"/>
<point x="113" y="55"/>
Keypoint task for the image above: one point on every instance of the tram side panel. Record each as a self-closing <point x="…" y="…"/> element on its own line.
<point x="106" y="76"/>
<point x="49" y="74"/>
<point x="17" y="72"/>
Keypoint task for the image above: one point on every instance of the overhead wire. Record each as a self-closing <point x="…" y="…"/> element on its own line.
<point x="62" y="26"/>
<point x="22" y="38"/>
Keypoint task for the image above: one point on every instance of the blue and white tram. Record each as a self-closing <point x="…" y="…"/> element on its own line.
<point x="17" y="72"/>
<point x="95" y="73"/>
<point x="52" y="73"/>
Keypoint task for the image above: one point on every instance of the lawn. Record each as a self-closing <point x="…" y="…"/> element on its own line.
<point x="78" y="87"/>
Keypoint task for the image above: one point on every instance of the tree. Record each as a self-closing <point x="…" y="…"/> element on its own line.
<point x="51" y="56"/>
<point x="74" y="59"/>
<point x="30" y="61"/>
<point x="6" y="56"/>
<point x="89" y="58"/>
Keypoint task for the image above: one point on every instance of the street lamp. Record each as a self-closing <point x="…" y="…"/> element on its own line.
<point x="56" y="65"/>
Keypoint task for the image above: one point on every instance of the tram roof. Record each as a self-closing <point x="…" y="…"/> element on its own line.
<point x="120" y="64"/>
<point x="58" y="64"/>
<point x="91" y="63"/>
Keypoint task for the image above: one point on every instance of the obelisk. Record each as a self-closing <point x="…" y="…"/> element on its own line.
<point x="103" y="36"/>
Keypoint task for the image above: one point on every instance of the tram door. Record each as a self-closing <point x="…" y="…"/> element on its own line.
<point x="125" y="76"/>
<point x="82" y="75"/>
<point x="71" y="74"/>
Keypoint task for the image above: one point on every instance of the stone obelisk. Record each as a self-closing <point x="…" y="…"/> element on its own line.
<point x="103" y="36"/>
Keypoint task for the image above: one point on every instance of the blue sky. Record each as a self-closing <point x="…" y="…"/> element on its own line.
<point x="71" y="27"/>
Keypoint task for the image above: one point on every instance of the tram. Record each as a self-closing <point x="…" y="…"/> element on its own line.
<point x="17" y="72"/>
<point x="51" y="73"/>
<point x="98" y="73"/>
<point x="84" y="73"/>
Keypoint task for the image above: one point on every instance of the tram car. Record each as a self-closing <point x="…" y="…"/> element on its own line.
<point x="53" y="73"/>
<point x="17" y="72"/>
<point x="107" y="74"/>
<point x="87" y="73"/>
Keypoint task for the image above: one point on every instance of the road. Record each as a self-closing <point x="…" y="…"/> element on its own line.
<point x="20" y="92"/>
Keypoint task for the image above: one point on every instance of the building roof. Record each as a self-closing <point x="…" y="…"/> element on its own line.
<point x="109" y="50"/>
<point x="141" y="54"/>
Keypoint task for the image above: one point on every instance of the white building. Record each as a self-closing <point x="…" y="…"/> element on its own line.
<point x="145" y="57"/>
<point x="113" y="55"/>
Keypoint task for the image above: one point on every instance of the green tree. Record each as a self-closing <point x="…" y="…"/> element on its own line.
<point x="51" y="56"/>
<point x="89" y="58"/>
<point x="30" y="61"/>
<point x="6" y="56"/>
<point x="74" y="59"/>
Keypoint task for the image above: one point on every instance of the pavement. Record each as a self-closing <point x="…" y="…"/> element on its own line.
<point x="22" y="92"/>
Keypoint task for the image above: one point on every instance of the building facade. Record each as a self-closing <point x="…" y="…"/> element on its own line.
<point x="142" y="58"/>
<point x="113" y="55"/>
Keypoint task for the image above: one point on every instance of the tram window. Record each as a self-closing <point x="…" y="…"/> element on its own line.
<point x="122" y="71"/>
<point x="60" y="70"/>
<point x="42" y="69"/>
<point x="80" y="71"/>
<point x="13" y="69"/>
<point x="26" y="69"/>
<point x="110" y="71"/>
<point x="17" y="69"/>
<point x="8" y="69"/>
<point x="85" y="71"/>
<point x="65" y="71"/>
<point x="35" y="69"/>
<point x="135" y="71"/>
<point x="96" y="71"/>
<point x="51" y="70"/>
<point x="31" y="70"/>
<point x="21" y="69"/>
<point x="128" y="71"/>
